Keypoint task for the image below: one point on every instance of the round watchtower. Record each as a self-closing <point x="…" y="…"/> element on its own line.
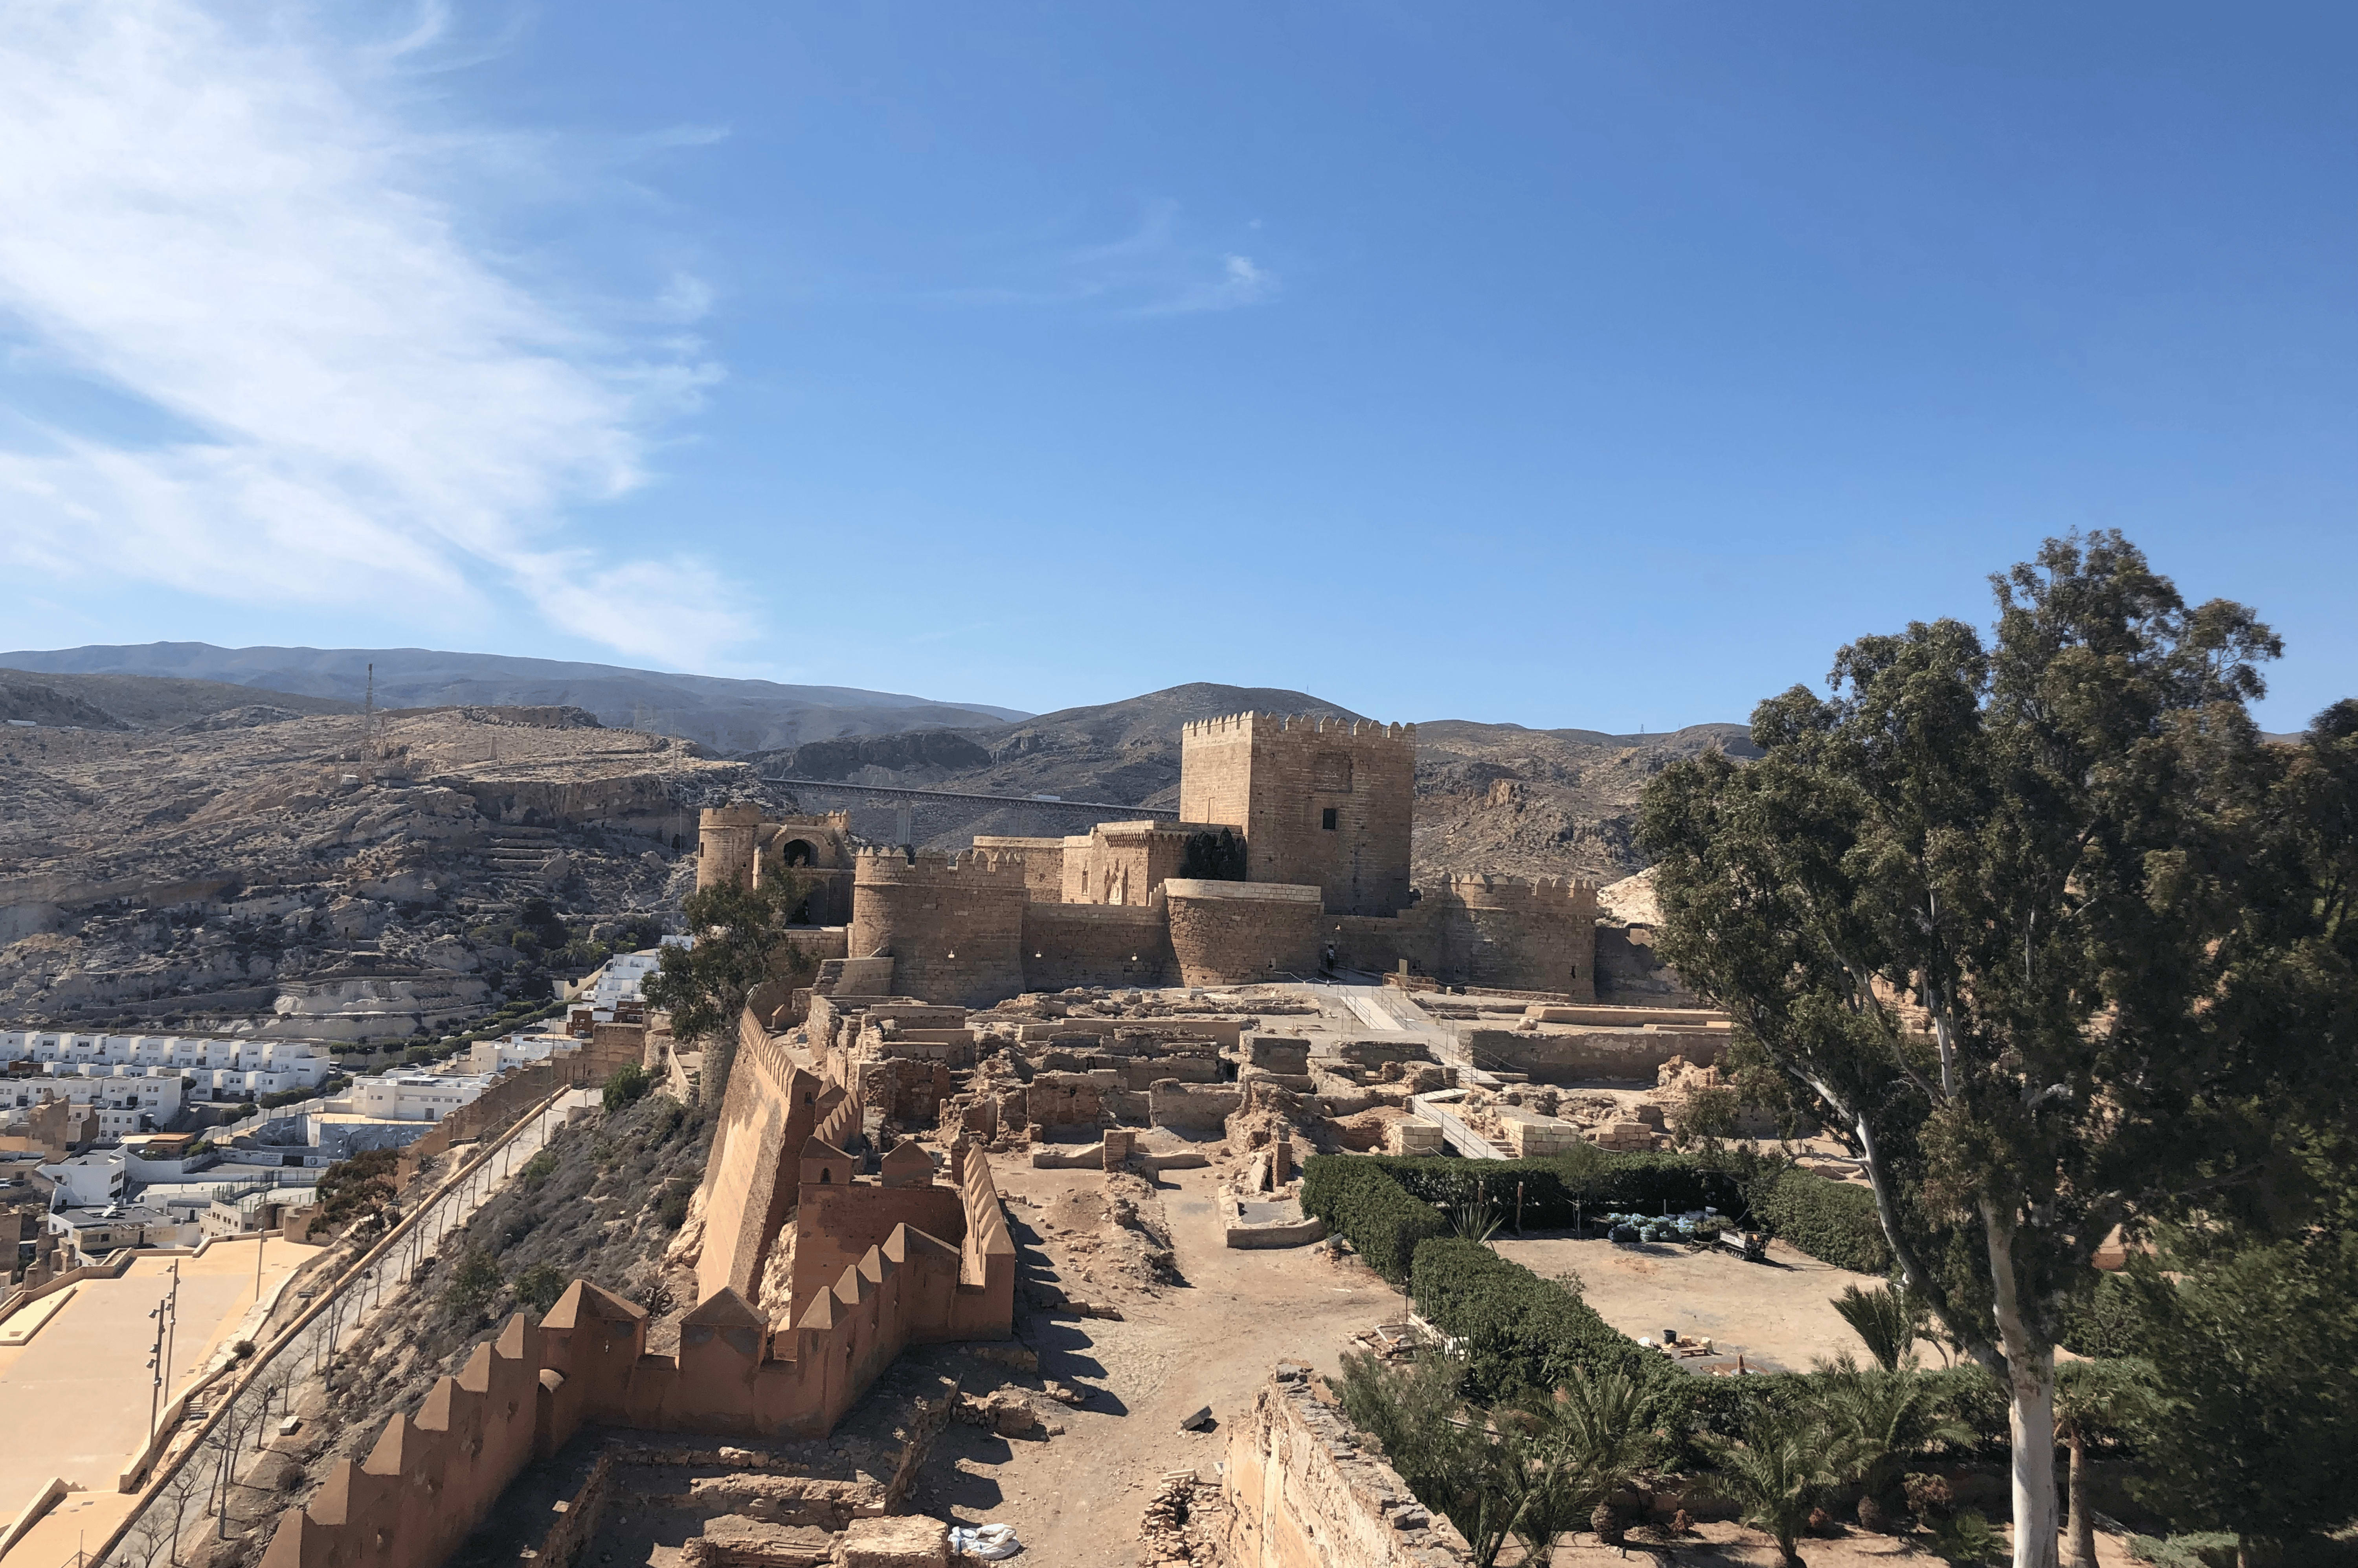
<point x="724" y="845"/>
<point x="952" y="924"/>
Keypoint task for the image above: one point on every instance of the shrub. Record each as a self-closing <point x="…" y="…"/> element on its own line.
<point x="628" y="1083"/>
<point x="539" y="1168"/>
<point x="2104" y="1323"/>
<point x="539" y="1286"/>
<point x="1565" y="1189"/>
<point x="1520" y="1334"/>
<point x="1358" y="1199"/>
<point x="473" y="1285"/>
<point x="671" y="1202"/>
<point x="1833" y="1222"/>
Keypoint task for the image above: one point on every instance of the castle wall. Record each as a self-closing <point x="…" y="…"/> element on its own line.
<point x="837" y="1222"/>
<point x="1044" y="864"/>
<point x="1277" y="779"/>
<point x="435" y="1475"/>
<point x="772" y="1108"/>
<point x="1095" y="944"/>
<point x="1481" y="931"/>
<point x="1519" y="936"/>
<point x="953" y="925"/>
<point x="1234" y="933"/>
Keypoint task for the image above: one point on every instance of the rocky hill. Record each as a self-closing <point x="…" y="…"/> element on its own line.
<point x="294" y="875"/>
<point x="726" y="715"/>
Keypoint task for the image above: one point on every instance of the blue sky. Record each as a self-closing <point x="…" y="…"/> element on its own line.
<point x="1596" y="365"/>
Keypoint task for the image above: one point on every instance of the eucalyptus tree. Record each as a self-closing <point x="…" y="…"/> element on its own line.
<point x="1984" y="909"/>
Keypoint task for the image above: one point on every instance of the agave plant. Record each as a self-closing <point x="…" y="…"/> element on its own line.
<point x="1474" y="1221"/>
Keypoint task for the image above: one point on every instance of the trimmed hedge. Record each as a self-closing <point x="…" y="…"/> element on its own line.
<point x="1833" y="1222"/>
<point x="1359" y="1200"/>
<point x="1521" y="1335"/>
<point x="1561" y="1190"/>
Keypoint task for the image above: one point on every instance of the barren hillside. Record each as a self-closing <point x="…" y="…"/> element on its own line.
<point x="284" y="870"/>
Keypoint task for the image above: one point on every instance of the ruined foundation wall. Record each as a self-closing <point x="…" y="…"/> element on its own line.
<point x="1303" y="1493"/>
<point x="1564" y="1056"/>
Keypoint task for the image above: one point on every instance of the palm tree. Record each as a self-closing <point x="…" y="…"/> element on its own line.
<point x="1584" y="1446"/>
<point x="1775" y="1474"/>
<point x="2090" y="1398"/>
<point x="1875" y="1420"/>
<point x="1884" y="1318"/>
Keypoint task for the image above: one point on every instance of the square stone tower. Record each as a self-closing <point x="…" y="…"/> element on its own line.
<point x="1325" y="802"/>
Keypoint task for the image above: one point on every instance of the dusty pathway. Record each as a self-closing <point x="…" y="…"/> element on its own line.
<point x="1074" y="1499"/>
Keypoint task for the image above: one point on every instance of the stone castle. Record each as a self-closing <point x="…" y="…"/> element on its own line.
<point x="1291" y="860"/>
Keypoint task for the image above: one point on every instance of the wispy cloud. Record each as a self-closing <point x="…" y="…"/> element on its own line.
<point x="1156" y="268"/>
<point x="243" y="228"/>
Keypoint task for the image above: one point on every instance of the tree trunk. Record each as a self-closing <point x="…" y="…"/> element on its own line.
<point x="2030" y="1404"/>
<point x="2080" y="1525"/>
<point x="2030" y="1416"/>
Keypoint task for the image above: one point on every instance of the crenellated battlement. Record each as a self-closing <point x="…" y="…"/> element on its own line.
<point x="1325" y="727"/>
<point x="966" y="868"/>
<point x="1483" y="886"/>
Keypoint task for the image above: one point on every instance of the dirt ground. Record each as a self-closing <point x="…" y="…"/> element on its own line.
<point x="1210" y="1338"/>
<point x="1778" y="1316"/>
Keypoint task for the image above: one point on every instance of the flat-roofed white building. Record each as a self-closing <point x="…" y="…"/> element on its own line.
<point x="410" y="1096"/>
<point x="294" y="1064"/>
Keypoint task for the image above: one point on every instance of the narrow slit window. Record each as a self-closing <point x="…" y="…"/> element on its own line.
<point x="1327" y="818"/>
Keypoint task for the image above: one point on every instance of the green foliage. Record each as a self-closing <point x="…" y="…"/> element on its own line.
<point x="744" y="937"/>
<point x="2012" y="917"/>
<point x="624" y="1085"/>
<point x="358" y="1189"/>
<point x="1884" y="1320"/>
<point x="478" y="1280"/>
<point x="538" y="1169"/>
<point x="1877" y="1419"/>
<point x="1527" y="1473"/>
<point x="1213" y="857"/>
<point x="1359" y="1200"/>
<point x="2102" y="1321"/>
<point x="1833" y="1222"/>
<point x="2197" y="1549"/>
<point x="539" y="1286"/>
<point x="2255" y="1353"/>
<point x="1967" y="1538"/>
<point x="1775" y="1473"/>
<point x="672" y="1201"/>
<point x="1523" y="1336"/>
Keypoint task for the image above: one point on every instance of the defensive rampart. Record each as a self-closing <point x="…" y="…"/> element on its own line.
<point x="434" y="1475"/>
<point x="1095" y="944"/>
<point x="952" y="924"/>
<point x="773" y="1107"/>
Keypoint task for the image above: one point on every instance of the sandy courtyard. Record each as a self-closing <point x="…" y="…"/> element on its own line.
<point x="1778" y="1315"/>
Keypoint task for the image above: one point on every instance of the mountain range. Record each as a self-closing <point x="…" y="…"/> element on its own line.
<point x="721" y="714"/>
